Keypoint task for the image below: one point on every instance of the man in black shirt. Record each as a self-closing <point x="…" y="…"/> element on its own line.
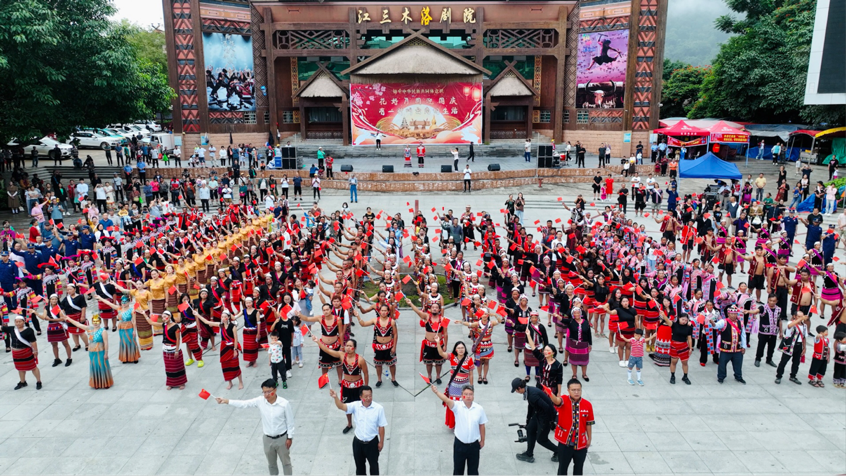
<point x="541" y="415"/>
<point x="602" y="155"/>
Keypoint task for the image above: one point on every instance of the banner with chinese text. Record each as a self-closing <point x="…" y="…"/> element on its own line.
<point x="403" y="114"/>
<point x="673" y="142"/>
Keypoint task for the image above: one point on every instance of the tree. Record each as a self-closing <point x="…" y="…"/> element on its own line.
<point x="760" y="74"/>
<point x="65" y="64"/>
<point x="149" y="44"/>
<point x="670" y="66"/>
<point x="681" y="91"/>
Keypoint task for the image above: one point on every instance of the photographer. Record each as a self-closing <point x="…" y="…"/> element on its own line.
<point x="540" y="417"/>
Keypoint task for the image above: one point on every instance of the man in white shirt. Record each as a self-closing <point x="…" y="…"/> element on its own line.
<point x="370" y="423"/>
<point x="470" y="420"/>
<point x="81" y="189"/>
<point x="277" y="421"/>
<point x="467" y="177"/>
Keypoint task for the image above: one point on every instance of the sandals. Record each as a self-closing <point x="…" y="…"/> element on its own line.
<point x="485" y="381"/>
<point x="479" y="381"/>
<point x="516" y="363"/>
<point x="509" y="349"/>
<point x="585" y="378"/>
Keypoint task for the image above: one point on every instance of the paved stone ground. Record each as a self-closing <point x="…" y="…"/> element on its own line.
<point x="138" y="427"/>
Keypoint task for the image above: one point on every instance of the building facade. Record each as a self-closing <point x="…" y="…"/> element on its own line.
<point x="586" y="70"/>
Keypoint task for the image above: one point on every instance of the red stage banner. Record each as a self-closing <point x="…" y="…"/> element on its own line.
<point x="730" y="138"/>
<point x="411" y="113"/>
<point x="673" y="142"/>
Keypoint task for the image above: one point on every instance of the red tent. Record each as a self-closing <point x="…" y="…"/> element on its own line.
<point x="722" y="132"/>
<point x="682" y="128"/>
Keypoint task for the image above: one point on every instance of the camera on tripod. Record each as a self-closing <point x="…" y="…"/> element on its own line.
<point x="521" y="436"/>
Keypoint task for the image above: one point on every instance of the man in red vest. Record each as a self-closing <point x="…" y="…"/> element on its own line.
<point x="421" y="154"/>
<point x="573" y="429"/>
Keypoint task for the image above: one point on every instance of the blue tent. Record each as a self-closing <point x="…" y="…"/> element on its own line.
<point x="709" y="166"/>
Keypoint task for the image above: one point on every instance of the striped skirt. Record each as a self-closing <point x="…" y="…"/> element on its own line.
<point x="172" y="301"/>
<point x="579" y="353"/>
<point x="251" y="346"/>
<point x="101" y="372"/>
<point x="229" y="362"/>
<point x="72" y="329"/>
<point x="157" y="307"/>
<point x="128" y="345"/>
<point x="661" y="357"/>
<point x="24" y="359"/>
<point x="680" y="350"/>
<point x="181" y="289"/>
<point x="174" y="368"/>
<point x="831" y="294"/>
<point x="145" y="331"/>
<point x="529" y="359"/>
<point x="191" y="338"/>
<point x="57" y="332"/>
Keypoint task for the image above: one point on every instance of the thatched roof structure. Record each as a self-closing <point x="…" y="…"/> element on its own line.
<point x="321" y="86"/>
<point x="510" y="85"/>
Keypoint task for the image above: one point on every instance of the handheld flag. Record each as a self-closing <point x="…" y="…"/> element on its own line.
<point x="323" y="380"/>
<point x="425" y="379"/>
<point x="205" y="395"/>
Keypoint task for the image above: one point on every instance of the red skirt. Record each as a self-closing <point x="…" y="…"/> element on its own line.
<point x="105" y="311"/>
<point x="56" y="332"/>
<point x="251" y="345"/>
<point x="24" y="359"/>
<point x="229" y="362"/>
<point x="679" y="350"/>
<point x="189" y="336"/>
<point x="72" y="329"/>
<point x="174" y="368"/>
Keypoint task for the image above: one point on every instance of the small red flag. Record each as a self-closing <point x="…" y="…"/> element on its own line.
<point x="284" y="311"/>
<point x="304" y="330"/>
<point x="204" y="394"/>
<point x="465" y="302"/>
<point x="491" y="304"/>
<point x="399" y="296"/>
<point x="182" y="307"/>
<point x="406" y="279"/>
<point x="171" y="290"/>
<point x="55" y="310"/>
<point x="323" y="380"/>
<point x="425" y="379"/>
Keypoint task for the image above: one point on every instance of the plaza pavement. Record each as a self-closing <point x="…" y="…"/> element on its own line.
<point x="139" y="427"/>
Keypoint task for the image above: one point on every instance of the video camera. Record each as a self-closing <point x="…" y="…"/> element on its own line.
<point x="521" y="437"/>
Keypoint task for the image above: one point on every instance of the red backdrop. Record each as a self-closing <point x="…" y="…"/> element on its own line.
<point x="411" y="113"/>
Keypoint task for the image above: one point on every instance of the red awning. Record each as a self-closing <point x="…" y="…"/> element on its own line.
<point x="682" y="128"/>
<point x="807" y="132"/>
<point x="722" y="132"/>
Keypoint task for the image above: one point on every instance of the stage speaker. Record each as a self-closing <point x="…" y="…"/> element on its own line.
<point x="544" y="150"/>
<point x="493" y="167"/>
<point x="544" y="162"/>
<point x="346" y="168"/>
<point x="445" y="169"/>
<point x="387" y="169"/>
<point x="289" y="164"/>
<point x="285" y="153"/>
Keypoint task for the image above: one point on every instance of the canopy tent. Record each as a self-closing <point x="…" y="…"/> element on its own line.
<point x="705" y="123"/>
<point x="724" y="133"/>
<point x="835" y="133"/>
<point x="806" y="132"/>
<point x="709" y="166"/>
<point x="794" y="151"/>
<point x="682" y="128"/>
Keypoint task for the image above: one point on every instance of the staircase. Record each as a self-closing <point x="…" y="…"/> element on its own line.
<point x="503" y="150"/>
<point x="44" y="172"/>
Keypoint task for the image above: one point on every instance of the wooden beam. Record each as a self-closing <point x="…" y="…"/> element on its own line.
<point x="200" y="68"/>
<point x="272" y="106"/>
<point x="631" y="69"/>
<point x="305" y="53"/>
<point x="560" y="76"/>
<point x="521" y="25"/>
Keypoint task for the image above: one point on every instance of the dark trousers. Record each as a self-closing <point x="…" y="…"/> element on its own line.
<point x="538" y="431"/>
<point x="785" y="357"/>
<point x="465" y="453"/>
<point x="298" y="191"/>
<point x="736" y="359"/>
<point x="817" y="371"/>
<point x="205" y="204"/>
<point x="765" y="341"/>
<point x="568" y="453"/>
<point x="101" y="206"/>
<point x="466" y="185"/>
<point x="368" y="452"/>
<point x="119" y="194"/>
<point x="580" y="161"/>
<point x="316" y="192"/>
<point x="378" y="143"/>
<point x="278" y="368"/>
<point x="455" y="165"/>
<point x="472" y="157"/>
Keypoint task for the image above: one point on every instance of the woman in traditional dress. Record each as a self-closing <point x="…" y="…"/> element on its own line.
<point x="75" y="307"/>
<point x="172" y="292"/>
<point x="626" y="317"/>
<point x="664" y="335"/>
<point x="521" y="314"/>
<point x="551" y="370"/>
<point x="355" y="373"/>
<point x="141" y="309"/>
<point x="98" y="353"/>
<point x="189" y="331"/>
<point x="538" y="334"/>
<point x="129" y="353"/>
<point x="482" y="349"/>
<point x="24" y="350"/>
<point x="579" y="341"/>
<point x="832" y="289"/>
<point x="436" y="326"/>
<point x="229" y="347"/>
<point x="250" y="334"/>
<point x="385" y="337"/>
<point x="331" y="336"/>
<point x="172" y="353"/>
<point x="511" y="306"/>
<point x="57" y="330"/>
<point x="158" y="296"/>
<point x="462" y="366"/>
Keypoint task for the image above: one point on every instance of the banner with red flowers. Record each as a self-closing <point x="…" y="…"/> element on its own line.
<point x="403" y="114"/>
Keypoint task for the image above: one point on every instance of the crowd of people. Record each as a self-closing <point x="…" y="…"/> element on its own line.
<point x="243" y="280"/>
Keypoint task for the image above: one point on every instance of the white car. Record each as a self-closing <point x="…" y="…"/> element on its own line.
<point x="92" y="140"/>
<point x="137" y="130"/>
<point x="116" y="131"/>
<point x="44" y="146"/>
<point x="150" y="125"/>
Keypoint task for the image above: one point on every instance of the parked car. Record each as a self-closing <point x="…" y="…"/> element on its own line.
<point x="150" y="125"/>
<point x="92" y="140"/>
<point x="166" y="140"/>
<point x="121" y="138"/>
<point x="133" y="130"/>
<point x="43" y="146"/>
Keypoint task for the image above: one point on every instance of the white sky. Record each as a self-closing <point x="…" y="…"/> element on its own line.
<point x="141" y="12"/>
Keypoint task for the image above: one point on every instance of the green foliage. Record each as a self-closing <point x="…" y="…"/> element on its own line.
<point x="759" y="75"/>
<point x="670" y="66"/>
<point x="65" y="64"/>
<point x="681" y="91"/>
<point x="691" y="36"/>
<point x="149" y="44"/>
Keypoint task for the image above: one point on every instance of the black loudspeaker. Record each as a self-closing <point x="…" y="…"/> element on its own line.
<point x="445" y="169"/>
<point x="493" y="167"/>
<point x="346" y="168"/>
<point x="544" y="150"/>
<point x="285" y="153"/>
<point x="387" y="169"/>
<point x="289" y="164"/>
<point x="544" y="162"/>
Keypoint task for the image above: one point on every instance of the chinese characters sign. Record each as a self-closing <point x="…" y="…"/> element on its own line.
<point x="410" y="113"/>
<point x="424" y="16"/>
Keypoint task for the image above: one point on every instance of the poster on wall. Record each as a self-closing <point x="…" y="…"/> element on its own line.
<point x="402" y="114"/>
<point x="230" y="80"/>
<point x="601" y="69"/>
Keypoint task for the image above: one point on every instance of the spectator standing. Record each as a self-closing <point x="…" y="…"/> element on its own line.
<point x="527" y="150"/>
<point x="602" y="155"/>
<point x="760" y="184"/>
<point x="370" y="423"/>
<point x="298" y="187"/>
<point x="315" y="187"/>
<point x="467" y="178"/>
<point x="353" y="189"/>
<point x="470" y="420"/>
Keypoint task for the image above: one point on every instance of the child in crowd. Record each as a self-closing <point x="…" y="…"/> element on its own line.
<point x="277" y="360"/>
<point x="822" y="356"/>
<point x="636" y="357"/>
<point x="297" y="343"/>
<point x="840" y="359"/>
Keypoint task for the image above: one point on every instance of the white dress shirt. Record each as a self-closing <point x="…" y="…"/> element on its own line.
<point x="368" y="419"/>
<point x="467" y="421"/>
<point x="276" y="418"/>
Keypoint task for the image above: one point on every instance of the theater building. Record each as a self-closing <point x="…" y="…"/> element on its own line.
<point x="403" y="72"/>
